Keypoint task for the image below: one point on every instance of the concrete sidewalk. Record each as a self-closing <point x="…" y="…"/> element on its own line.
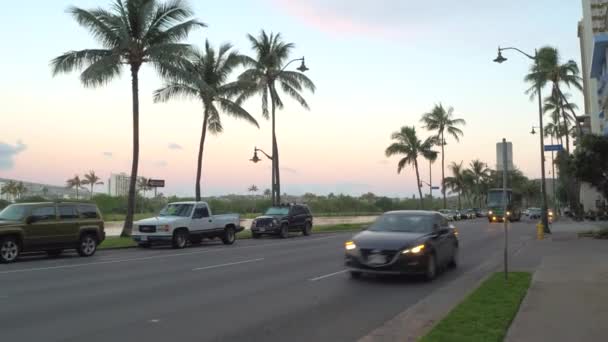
<point x="568" y="298"/>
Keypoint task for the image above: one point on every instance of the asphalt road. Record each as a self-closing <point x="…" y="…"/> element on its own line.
<point x="255" y="290"/>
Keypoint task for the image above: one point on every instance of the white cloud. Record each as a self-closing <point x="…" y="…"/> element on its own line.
<point x="8" y="153"/>
<point x="174" y="146"/>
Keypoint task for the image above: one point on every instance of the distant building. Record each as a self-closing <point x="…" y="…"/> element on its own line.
<point x="118" y="184"/>
<point x="48" y="191"/>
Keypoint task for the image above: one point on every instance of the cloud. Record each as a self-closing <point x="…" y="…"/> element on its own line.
<point x="8" y="153"/>
<point x="107" y="154"/>
<point x="174" y="146"/>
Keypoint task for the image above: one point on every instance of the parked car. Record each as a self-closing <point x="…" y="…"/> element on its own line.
<point x="456" y="215"/>
<point x="470" y="214"/>
<point x="50" y="227"/>
<point x="463" y="214"/>
<point x="180" y="223"/>
<point x="447" y="214"/>
<point x="534" y="213"/>
<point x="478" y="212"/>
<point x="281" y="220"/>
<point x="403" y="242"/>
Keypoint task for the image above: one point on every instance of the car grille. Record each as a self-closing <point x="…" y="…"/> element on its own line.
<point x="263" y="222"/>
<point x="147" y="229"/>
<point x="389" y="254"/>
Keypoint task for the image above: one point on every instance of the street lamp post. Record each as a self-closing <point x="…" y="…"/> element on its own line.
<point x="552" y="173"/>
<point x="500" y="59"/>
<point x="257" y="159"/>
<point x="276" y="179"/>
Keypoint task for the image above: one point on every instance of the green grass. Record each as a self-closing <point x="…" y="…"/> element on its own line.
<point x="486" y="314"/>
<point x="125" y="242"/>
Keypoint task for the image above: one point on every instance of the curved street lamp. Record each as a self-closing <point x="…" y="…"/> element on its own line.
<point x="500" y="59"/>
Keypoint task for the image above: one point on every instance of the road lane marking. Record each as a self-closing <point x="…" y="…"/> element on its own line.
<point x="327" y="275"/>
<point x="227" y="264"/>
<point x="160" y="256"/>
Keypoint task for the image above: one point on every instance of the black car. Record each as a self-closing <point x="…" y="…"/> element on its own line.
<point x="403" y="242"/>
<point x="281" y="220"/>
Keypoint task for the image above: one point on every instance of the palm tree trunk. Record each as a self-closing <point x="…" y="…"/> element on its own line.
<point x="443" y="171"/>
<point x="578" y="124"/>
<point x="128" y="225"/>
<point x="199" y="165"/>
<point x="563" y="112"/>
<point x="459" y="205"/>
<point x="418" y="184"/>
<point x="275" y="150"/>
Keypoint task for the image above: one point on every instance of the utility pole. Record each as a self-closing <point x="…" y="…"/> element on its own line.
<point x="504" y="201"/>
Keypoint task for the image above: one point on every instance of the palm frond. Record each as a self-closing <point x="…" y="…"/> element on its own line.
<point x="76" y="60"/>
<point x="101" y="72"/>
<point x="99" y="23"/>
<point x="237" y="111"/>
<point x="175" y="90"/>
<point x="294" y="94"/>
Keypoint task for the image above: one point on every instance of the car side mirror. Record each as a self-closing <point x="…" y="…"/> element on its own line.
<point x="30" y="219"/>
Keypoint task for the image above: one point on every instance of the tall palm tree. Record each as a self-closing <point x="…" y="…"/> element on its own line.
<point x="204" y="76"/>
<point x="556" y="107"/>
<point x="479" y="172"/>
<point x="431" y="156"/>
<point x="75" y="183"/>
<point x="410" y="147"/>
<point x="267" y="71"/>
<point x="456" y="182"/>
<point x="142" y="185"/>
<point x="444" y="123"/>
<point x="550" y="70"/>
<point x="131" y="32"/>
<point x="92" y="179"/>
<point x="20" y="190"/>
<point x="10" y="189"/>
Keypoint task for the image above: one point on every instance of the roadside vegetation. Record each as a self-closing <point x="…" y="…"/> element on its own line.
<point x="601" y="234"/>
<point x="486" y="314"/>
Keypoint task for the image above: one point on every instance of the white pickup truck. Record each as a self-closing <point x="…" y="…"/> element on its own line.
<point x="181" y="222"/>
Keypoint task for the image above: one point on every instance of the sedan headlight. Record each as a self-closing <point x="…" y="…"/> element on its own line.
<point x="163" y="228"/>
<point x="350" y="245"/>
<point x="414" y="250"/>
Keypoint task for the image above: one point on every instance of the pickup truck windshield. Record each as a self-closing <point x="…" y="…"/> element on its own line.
<point x="13" y="213"/>
<point x="277" y="211"/>
<point x="180" y="210"/>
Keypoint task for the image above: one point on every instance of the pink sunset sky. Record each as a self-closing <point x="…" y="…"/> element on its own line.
<point x="376" y="67"/>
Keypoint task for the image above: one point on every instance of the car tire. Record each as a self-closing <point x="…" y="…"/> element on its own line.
<point x="284" y="233"/>
<point x="355" y="274"/>
<point x="87" y="245"/>
<point x="143" y="245"/>
<point x="180" y="239"/>
<point x="229" y="236"/>
<point x="307" y="230"/>
<point x="455" y="258"/>
<point x="53" y="253"/>
<point x="9" y="250"/>
<point x="431" y="267"/>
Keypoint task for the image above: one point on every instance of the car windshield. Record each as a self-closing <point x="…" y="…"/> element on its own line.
<point x="495" y="198"/>
<point x="276" y="211"/>
<point x="180" y="210"/>
<point x="13" y="213"/>
<point x="406" y="223"/>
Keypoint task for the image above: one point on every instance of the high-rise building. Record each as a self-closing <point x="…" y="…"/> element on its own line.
<point x="118" y="184"/>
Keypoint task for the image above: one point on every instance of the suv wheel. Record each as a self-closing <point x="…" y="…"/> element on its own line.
<point x="180" y="239"/>
<point x="87" y="245"/>
<point x="229" y="236"/>
<point x="284" y="233"/>
<point x="307" y="229"/>
<point x="9" y="249"/>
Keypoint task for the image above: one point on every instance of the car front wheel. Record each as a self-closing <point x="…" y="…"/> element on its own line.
<point x="9" y="250"/>
<point x="87" y="245"/>
<point x="307" y="230"/>
<point x="284" y="234"/>
<point x="180" y="239"/>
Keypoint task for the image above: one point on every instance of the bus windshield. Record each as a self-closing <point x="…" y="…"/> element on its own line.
<point x="495" y="198"/>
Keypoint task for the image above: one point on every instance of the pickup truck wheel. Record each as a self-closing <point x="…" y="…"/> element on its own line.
<point x="87" y="245"/>
<point x="284" y="233"/>
<point x="180" y="239"/>
<point x="9" y="250"/>
<point x="307" y="229"/>
<point x="229" y="236"/>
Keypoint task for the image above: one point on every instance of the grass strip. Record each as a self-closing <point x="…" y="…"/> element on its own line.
<point x="486" y="314"/>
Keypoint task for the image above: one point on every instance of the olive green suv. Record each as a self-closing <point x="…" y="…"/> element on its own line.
<point x="50" y="227"/>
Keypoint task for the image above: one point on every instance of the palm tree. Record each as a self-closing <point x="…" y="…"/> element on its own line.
<point x="549" y="69"/>
<point x="479" y="172"/>
<point x="431" y="156"/>
<point x="131" y="32"/>
<point x="267" y="71"/>
<point x="253" y="189"/>
<point x="556" y="107"/>
<point x="10" y="189"/>
<point x="456" y="182"/>
<point x="410" y="147"/>
<point x="20" y="190"/>
<point x="267" y="193"/>
<point x="75" y="183"/>
<point x="444" y="123"/>
<point x="92" y="179"/>
<point x="203" y="76"/>
<point x="142" y="185"/>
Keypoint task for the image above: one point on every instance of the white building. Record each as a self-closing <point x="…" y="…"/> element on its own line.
<point x="593" y="36"/>
<point x="118" y="184"/>
<point x="47" y="191"/>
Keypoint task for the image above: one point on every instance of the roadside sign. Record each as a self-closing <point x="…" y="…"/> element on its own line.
<point x="156" y="183"/>
<point x="435" y="188"/>
<point x="556" y="148"/>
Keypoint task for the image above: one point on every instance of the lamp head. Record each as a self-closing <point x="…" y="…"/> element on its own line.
<point x="500" y="59"/>
<point x="303" y="67"/>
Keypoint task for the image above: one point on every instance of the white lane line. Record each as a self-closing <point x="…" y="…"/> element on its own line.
<point x="327" y="275"/>
<point x="227" y="264"/>
<point x="160" y="256"/>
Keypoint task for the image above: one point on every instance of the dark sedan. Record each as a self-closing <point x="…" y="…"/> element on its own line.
<point x="403" y="242"/>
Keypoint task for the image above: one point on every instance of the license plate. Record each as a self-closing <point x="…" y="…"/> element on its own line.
<point x="377" y="259"/>
<point x="262" y="229"/>
<point x="143" y="238"/>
